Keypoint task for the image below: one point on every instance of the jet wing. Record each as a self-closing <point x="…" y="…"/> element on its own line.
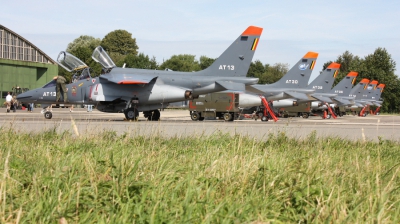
<point x="252" y="89"/>
<point x="322" y="98"/>
<point x="127" y="79"/>
<point x="342" y="101"/>
<point x="297" y="95"/>
<point x="377" y="104"/>
<point x="231" y="85"/>
<point x="359" y="105"/>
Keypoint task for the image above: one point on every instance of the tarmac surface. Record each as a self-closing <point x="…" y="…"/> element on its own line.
<point x="177" y="123"/>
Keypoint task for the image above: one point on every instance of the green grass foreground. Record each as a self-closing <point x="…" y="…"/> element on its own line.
<point x="50" y="177"/>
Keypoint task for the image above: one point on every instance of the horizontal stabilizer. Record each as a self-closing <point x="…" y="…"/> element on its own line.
<point x="127" y="79"/>
<point x="322" y="98"/>
<point x="368" y="103"/>
<point x="299" y="96"/>
<point x="254" y="89"/>
<point x="231" y="85"/>
<point x="377" y="104"/>
<point x="342" y="101"/>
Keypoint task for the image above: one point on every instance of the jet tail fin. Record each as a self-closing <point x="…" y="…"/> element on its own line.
<point x="299" y="75"/>
<point x="324" y="82"/>
<point x="236" y="59"/>
<point x="359" y="88"/>
<point x="343" y="88"/>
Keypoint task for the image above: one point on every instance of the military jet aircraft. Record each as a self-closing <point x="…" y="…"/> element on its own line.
<point x="366" y="98"/>
<point x="134" y="90"/>
<point x="375" y="97"/>
<point x="321" y="85"/>
<point x="293" y="84"/>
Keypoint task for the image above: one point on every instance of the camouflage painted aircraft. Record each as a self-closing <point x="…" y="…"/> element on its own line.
<point x="134" y="90"/>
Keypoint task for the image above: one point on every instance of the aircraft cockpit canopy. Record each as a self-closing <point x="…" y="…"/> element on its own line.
<point x="70" y="62"/>
<point x="100" y="55"/>
<point x="84" y="74"/>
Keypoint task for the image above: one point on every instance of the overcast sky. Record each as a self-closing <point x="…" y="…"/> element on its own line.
<point x="203" y="27"/>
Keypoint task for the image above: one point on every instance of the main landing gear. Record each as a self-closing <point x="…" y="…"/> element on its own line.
<point x="152" y="115"/>
<point x="131" y="114"/>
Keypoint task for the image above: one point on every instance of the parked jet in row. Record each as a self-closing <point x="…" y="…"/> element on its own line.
<point x="321" y="85"/>
<point x="134" y="90"/>
<point x="292" y="85"/>
<point x="336" y="94"/>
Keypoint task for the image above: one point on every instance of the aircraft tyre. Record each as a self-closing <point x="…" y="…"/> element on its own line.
<point x="328" y="116"/>
<point x="154" y="115"/>
<point x="264" y="118"/>
<point x="364" y="115"/>
<point x="305" y="115"/>
<point x="260" y="115"/>
<point x="228" y="117"/>
<point x="195" y="116"/>
<point x="48" y="115"/>
<point x="131" y="114"/>
<point x="377" y="113"/>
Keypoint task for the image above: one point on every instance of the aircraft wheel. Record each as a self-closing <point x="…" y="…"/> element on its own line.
<point x="364" y="115"/>
<point x="228" y="117"/>
<point x="264" y="118"/>
<point x="305" y="115"/>
<point x="328" y="116"/>
<point x="131" y="114"/>
<point x="48" y="115"/>
<point x="195" y="116"/>
<point x="377" y="113"/>
<point x="154" y="115"/>
<point x="260" y="115"/>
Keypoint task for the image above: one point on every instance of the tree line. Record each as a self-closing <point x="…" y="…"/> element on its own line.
<point x="122" y="48"/>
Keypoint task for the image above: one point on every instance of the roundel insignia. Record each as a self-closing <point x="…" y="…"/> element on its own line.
<point x="303" y="67"/>
<point x="93" y="80"/>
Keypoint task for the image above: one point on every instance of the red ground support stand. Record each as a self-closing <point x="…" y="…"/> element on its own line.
<point x="377" y="110"/>
<point x="330" y="111"/>
<point x="268" y="109"/>
<point x="362" y="112"/>
<point x="325" y="115"/>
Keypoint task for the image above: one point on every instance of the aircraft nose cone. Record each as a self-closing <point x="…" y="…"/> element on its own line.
<point x="24" y="95"/>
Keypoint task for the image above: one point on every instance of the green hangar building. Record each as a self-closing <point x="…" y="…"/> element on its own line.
<point x="22" y="64"/>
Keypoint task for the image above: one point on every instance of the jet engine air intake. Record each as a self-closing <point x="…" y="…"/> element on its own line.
<point x="188" y="95"/>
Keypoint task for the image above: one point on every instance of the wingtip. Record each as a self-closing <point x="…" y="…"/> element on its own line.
<point x="311" y="54"/>
<point x="353" y="74"/>
<point x="334" y="65"/>
<point x="252" y="31"/>
<point x="381" y="86"/>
